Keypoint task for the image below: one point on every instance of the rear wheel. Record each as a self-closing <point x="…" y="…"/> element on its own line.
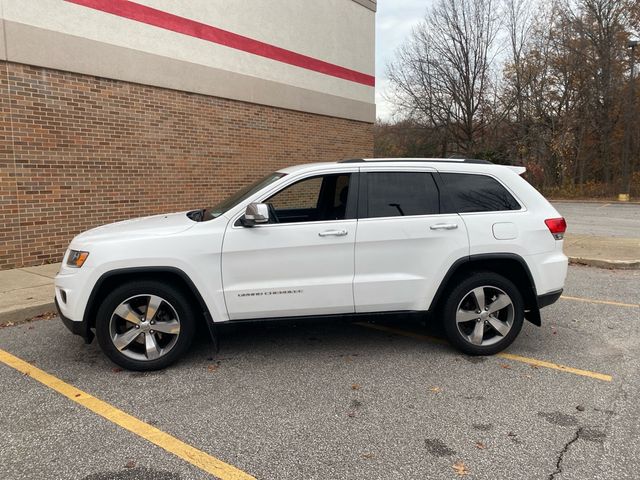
<point x="145" y="325"/>
<point x="483" y="314"/>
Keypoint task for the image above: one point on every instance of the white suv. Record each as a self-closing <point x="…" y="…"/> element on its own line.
<point x="468" y="241"/>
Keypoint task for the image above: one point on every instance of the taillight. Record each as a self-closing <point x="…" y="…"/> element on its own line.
<point x="557" y="227"/>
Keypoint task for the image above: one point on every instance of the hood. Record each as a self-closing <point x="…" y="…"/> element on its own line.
<point x="154" y="226"/>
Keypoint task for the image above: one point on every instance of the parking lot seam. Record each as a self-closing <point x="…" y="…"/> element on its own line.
<point x="508" y="356"/>
<point x="171" y="444"/>
<point x="603" y="302"/>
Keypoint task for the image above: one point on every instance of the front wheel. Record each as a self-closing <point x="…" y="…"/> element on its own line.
<point x="145" y="325"/>
<point x="483" y="314"/>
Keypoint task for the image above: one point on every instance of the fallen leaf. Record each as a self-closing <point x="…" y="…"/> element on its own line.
<point x="116" y="369"/>
<point x="355" y="386"/>
<point x="580" y="408"/>
<point x="435" y="389"/>
<point x="480" y="445"/>
<point x="535" y="367"/>
<point x="505" y="366"/>
<point x="45" y="316"/>
<point x="368" y="456"/>
<point x="212" y="368"/>
<point x="130" y="464"/>
<point x="460" y="468"/>
<point x="77" y="395"/>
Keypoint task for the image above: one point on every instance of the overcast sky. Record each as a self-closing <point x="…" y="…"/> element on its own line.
<point x="394" y="21"/>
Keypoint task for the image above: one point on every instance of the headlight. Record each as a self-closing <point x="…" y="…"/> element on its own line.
<point x="76" y="258"/>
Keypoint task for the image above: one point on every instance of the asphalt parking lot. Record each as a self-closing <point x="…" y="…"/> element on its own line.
<point x="337" y="401"/>
<point x="604" y="219"/>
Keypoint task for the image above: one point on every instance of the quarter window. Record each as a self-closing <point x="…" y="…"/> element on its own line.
<point x="395" y="194"/>
<point x="476" y="193"/>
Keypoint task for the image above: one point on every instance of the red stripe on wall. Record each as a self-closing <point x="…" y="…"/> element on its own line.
<point x="185" y="26"/>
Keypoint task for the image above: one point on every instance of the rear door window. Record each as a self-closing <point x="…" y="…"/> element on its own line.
<point x="468" y="193"/>
<point x="401" y="194"/>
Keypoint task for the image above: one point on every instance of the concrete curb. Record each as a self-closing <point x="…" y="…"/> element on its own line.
<point x="24" y="314"/>
<point x="605" y="263"/>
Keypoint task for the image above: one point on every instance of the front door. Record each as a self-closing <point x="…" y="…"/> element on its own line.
<point x="302" y="261"/>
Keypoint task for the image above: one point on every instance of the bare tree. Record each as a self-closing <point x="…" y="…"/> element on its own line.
<point x="602" y="24"/>
<point x="443" y="75"/>
<point x="563" y="105"/>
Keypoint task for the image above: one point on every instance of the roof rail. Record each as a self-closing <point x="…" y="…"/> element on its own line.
<point x="443" y="160"/>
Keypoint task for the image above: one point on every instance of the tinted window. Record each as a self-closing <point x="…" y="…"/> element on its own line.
<point x="476" y="193"/>
<point x="394" y="194"/>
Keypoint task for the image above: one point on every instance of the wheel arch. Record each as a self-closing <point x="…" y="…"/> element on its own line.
<point x="509" y="265"/>
<point x="110" y="279"/>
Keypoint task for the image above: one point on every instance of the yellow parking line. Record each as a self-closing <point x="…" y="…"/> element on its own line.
<point x="508" y="356"/>
<point x="555" y="366"/>
<point x="195" y="457"/>
<point x="604" y="302"/>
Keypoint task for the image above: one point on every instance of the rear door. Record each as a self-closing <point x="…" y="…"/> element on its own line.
<point x="404" y="244"/>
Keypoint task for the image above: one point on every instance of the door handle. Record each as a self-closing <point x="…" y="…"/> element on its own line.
<point x="444" y="226"/>
<point x="334" y="233"/>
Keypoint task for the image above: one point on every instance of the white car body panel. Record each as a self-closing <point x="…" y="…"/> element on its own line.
<point x="288" y="269"/>
<point x="195" y="251"/>
<point x="400" y="261"/>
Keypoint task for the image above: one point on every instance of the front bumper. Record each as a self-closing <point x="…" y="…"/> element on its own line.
<point x="78" y="328"/>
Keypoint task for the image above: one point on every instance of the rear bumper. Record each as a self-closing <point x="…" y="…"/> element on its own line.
<point x="78" y="328"/>
<point x="549" y="298"/>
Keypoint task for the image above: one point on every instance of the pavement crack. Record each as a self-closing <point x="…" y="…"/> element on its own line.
<point x="574" y="439"/>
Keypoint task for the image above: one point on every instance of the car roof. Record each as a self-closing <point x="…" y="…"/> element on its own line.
<point x="452" y="164"/>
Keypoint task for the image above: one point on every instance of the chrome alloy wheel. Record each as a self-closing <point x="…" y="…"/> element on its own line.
<point x="144" y="327"/>
<point x="485" y="315"/>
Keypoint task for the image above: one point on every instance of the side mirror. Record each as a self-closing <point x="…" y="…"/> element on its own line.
<point x="256" y="213"/>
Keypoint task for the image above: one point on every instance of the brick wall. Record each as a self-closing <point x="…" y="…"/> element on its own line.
<point x="78" y="151"/>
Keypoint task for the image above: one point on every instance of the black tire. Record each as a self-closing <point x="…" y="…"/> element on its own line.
<point x="177" y="302"/>
<point x="492" y="284"/>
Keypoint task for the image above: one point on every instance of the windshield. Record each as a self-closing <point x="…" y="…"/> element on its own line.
<point x="241" y="195"/>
